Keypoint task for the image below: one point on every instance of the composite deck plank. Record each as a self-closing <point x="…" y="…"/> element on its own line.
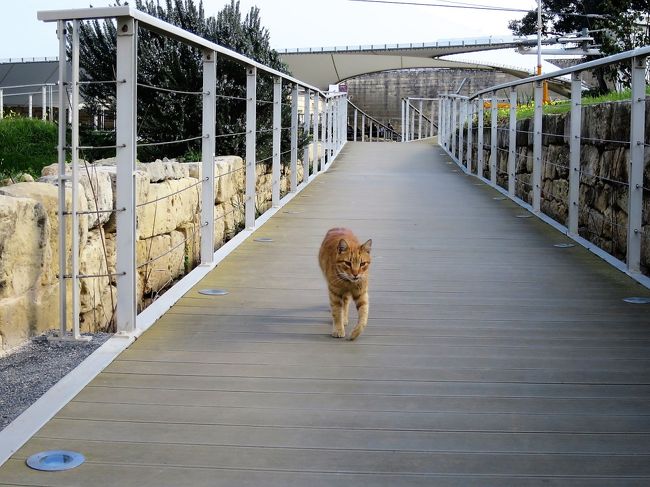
<point x="491" y="357"/>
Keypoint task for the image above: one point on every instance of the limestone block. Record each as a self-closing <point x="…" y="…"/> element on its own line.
<point x="192" y="235"/>
<point x="230" y="175"/>
<point x="170" y="204"/>
<point x="161" y="170"/>
<point x="24" y="243"/>
<point x="101" y="314"/>
<point x="161" y="260"/>
<point x="28" y="314"/>
<point x="94" y="259"/>
<point x="48" y="196"/>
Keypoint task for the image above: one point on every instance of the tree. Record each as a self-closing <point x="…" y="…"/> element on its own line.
<point x="616" y="25"/>
<point x="167" y="63"/>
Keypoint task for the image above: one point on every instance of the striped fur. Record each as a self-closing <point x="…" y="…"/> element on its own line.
<point x="345" y="265"/>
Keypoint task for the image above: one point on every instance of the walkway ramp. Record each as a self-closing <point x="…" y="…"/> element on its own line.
<point x="491" y="358"/>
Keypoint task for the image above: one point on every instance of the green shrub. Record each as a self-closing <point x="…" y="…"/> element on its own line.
<point x="26" y="145"/>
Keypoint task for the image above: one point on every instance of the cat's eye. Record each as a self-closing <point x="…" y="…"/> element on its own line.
<point x="348" y="263"/>
<point x="363" y="264"/>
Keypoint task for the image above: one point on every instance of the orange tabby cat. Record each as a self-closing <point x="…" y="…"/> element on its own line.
<point x="345" y="266"/>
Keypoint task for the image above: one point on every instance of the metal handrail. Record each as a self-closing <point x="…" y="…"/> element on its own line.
<point x="622" y="56"/>
<point x="458" y="140"/>
<point x="170" y="30"/>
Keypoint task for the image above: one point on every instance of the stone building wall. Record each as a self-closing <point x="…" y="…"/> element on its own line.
<point x="604" y="161"/>
<point x="379" y="94"/>
<point x="167" y="244"/>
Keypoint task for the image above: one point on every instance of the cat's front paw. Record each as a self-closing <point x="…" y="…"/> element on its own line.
<point x="338" y="333"/>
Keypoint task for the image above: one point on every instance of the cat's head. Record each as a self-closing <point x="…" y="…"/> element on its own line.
<point x="353" y="261"/>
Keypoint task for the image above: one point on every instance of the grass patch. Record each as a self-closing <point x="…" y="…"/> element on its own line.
<point x="558" y="107"/>
<point x="26" y="145"/>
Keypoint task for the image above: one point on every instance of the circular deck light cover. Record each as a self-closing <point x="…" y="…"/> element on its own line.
<point x="213" y="292"/>
<point x="263" y="239"/>
<point x="55" y="460"/>
<point x="499" y="198"/>
<point x="564" y="245"/>
<point x="525" y="215"/>
<point x="637" y="300"/>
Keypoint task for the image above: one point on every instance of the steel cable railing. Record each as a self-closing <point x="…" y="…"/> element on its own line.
<point x="585" y="177"/>
<point x="154" y="244"/>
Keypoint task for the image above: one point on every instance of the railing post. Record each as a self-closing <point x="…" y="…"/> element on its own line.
<point x="331" y="126"/>
<point x="207" y="156"/>
<point x="62" y="178"/>
<point x="44" y="102"/>
<point x="493" y="140"/>
<point x="637" y="150"/>
<point x="412" y="124"/>
<point x="574" y="153"/>
<point x="74" y="163"/>
<point x="294" y="139"/>
<point x="420" y="121"/>
<point x="512" y="143"/>
<point x="440" y="121"/>
<point x="251" y="143"/>
<point x="480" y="142"/>
<point x="31" y="102"/>
<point x="403" y="108"/>
<point x="356" y="116"/>
<point x="277" y="127"/>
<point x="2" y="105"/>
<point x="470" y="135"/>
<point x="315" y="139"/>
<point x="407" y="120"/>
<point x="306" y="125"/>
<point x="125" y="124"/>
<point x="432" y="118"/>
<point x="454" y="117"/>
<point x="363" y="127"/>
<point x="461" y="121"/>
<point x="324" y="134"/>
<point x="371" y="126"/>
<point x="537" y="148"/>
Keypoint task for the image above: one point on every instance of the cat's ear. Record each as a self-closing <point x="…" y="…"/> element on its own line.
<point x="367" y="246"/>
<point x="343" y="246"/>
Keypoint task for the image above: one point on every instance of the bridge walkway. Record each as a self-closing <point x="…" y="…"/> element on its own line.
<point x="491" y="358"/>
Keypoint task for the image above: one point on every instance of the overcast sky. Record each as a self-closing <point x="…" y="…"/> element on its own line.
<point x="300" y="23"/>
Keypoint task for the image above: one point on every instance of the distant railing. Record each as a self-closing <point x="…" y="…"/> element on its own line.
<point x="325" y="130"/>
<point x="589" y="180"/>
<point x="376" y="129"/>
<point x="46" y="92"/>
<point x="461" y="42"/>
<point x="28" y="59"/>
<point x="426" y="127"/>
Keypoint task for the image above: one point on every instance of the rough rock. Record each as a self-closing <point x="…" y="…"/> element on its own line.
<point x="24" y="240"/>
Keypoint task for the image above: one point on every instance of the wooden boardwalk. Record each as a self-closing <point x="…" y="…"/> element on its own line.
<point x="491" y="357"/>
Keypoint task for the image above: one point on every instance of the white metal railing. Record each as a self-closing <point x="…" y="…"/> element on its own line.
<point x="602" y="205"/>
<point x="44" y="90"/>
<point x="412" y="108"/>
<point x="380" y="130"/>
<point x="504" y="41"/>
<point x="324" y="120"/>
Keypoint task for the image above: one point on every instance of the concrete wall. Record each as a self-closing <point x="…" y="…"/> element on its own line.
<point x="379" y="94"/>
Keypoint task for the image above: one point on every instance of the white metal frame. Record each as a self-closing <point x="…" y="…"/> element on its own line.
<point x="128" y="321"/>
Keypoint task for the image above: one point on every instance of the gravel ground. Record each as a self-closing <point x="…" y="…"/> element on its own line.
<point x="28" y="372"/>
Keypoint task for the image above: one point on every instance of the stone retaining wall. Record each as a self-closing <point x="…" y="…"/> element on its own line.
<point x="167" y="231"/>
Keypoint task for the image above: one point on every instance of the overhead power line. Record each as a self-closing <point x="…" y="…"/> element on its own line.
<point x="461" y="5"/>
